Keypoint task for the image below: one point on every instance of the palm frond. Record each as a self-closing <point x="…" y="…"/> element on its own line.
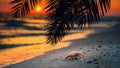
<point x="63" y="14"/>
<point x="22" y="7"/>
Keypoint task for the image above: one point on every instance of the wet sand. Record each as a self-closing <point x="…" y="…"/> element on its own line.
<point x="101" y="47"/>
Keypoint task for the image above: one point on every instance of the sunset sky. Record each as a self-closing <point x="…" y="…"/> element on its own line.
<point x="114" y="11"/>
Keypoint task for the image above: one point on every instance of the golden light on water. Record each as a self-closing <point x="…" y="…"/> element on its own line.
<point x="32" y="42"/>
<point x="37" y="47"/>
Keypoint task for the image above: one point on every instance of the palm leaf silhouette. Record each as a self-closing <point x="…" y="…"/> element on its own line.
<point x="64" y="14"/>
<point x="22" y="7"/>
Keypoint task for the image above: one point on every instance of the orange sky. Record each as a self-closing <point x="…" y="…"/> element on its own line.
<point x="4" y="5"/>
<point x="115" y="8"/>
<point x="114" y="11"/>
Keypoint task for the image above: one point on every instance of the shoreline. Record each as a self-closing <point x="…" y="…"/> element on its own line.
<point x="47" y="54"/>
<point x="54" y="58"/>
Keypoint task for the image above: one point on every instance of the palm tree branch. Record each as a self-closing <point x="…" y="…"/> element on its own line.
<point x="23" y="7"/>
<point x="63" y="14"/>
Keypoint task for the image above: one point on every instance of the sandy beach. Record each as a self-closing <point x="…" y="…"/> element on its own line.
<point x="100" y="45"/>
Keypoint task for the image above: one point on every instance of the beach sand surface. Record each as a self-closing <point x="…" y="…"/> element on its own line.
<point x="100" y="45"/>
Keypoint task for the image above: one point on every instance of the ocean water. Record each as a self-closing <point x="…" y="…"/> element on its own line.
<point x="23" y="39"/>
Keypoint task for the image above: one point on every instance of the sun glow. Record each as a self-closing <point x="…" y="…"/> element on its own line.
<point x="38" y="9"/>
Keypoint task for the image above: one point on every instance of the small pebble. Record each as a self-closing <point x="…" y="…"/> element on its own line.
<point x="40" y="60"/>
<point x="88" y="50"/>
<point x="96" y="63"/>
<point x="89" y="62"/>
<point x="95" y="59"/>
<point x="80" y="48"/>
<point x="99" y="46"/>
<point x="104" y="49"/>
<point x="117" y="47"/>
<point x="110" y="47"/>
<point x="93" y="47"/>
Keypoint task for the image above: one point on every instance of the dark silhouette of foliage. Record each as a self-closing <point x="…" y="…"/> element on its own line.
<point x="22" y="7"/>
<point x="64" y="14"/>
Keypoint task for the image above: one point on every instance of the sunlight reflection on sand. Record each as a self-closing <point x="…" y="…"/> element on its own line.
<point x="18" y="54"/>
<point x="37" y="43"/>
